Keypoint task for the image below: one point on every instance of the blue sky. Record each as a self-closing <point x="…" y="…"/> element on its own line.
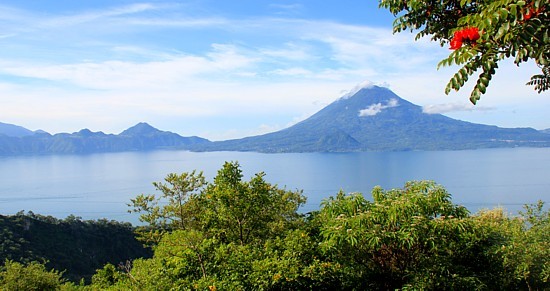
<point x="224" y="69"/>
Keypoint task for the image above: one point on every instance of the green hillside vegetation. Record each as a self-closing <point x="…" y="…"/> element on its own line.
<point x="75" y="246"/>
<point x="234" y="234"/>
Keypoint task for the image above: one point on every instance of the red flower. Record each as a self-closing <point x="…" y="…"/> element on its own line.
<point x="532" y="12"/>
<point x="455" y="43"/>
<point x="469" y="34"/>
<point x="528" y="14"/>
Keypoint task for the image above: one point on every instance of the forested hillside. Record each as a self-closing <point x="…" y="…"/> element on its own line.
<point x="77" y="247"/>
<point x="236" y="234"/>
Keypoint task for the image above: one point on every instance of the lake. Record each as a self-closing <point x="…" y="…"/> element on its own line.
<point x="100" y="185"/>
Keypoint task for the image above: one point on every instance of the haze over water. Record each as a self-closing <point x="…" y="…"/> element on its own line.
<point x="101" y="185"/>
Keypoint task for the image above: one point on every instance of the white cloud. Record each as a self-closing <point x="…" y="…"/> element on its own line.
<point x="228" y="57"/>
<point x="186" y="22"/>
<point x="363" y="85"/>
<point x="98" y="15"/>
<point x="371" y="110"/>
<point x="2" y="36"/>
<point x="148" y="75"/>
<point x="12" y="14"/>
<point x="392" y="103"/>
<point x="290" y="51"/>
<point x="292" y="72"/>
<point x="286" y="6"/>
<point x="452" y="107"/>
<point x="379" y="48"/>
<point x="374" y="109"/>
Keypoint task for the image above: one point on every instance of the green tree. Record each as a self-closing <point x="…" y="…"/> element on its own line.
<point x="527" y="255"/>
<point x="411" y="237"/>
<point x="481" y="33"/>
<point x="520" y="248"/>
<point x="13" y="245"/>
<point x="187" y="252"/>
<point x="33" y="276"/>
<point x="210" y="238"/>
<point x="173" y="209"/>
<point x="141" y="274"/>
<point x="295" y="262"/>
<point x="106" y="277"/>
<point x="238" y="211"/>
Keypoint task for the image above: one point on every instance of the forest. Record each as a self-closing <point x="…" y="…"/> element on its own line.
<point x="237" y="234"/>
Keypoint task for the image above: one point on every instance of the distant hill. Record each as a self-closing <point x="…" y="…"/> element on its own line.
<point x="375" y="119"/>
<point x="14" y="130"/>
<point x="547" y="131"/>
<point x="137" y="138"/>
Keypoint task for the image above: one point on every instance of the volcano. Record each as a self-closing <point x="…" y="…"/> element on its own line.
<point x="374" y="118"/>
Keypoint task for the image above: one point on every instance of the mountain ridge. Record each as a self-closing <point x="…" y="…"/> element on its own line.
<point x="14" y="130"/>
<point x="371" y="118"/>
<point x="140" y="137"/>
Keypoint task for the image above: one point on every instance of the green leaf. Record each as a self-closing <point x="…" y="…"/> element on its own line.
<point x="503" y="13"/>
<point x="482" y="88"/>
<point x="474" y="97"/>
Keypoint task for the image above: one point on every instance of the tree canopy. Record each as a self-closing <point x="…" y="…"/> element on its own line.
<point x="237" y="234"/>
<point x="480" y="34"/>
<point x="249" y="235"/>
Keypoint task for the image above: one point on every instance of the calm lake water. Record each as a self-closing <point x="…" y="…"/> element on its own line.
<point x="101" y="185"/>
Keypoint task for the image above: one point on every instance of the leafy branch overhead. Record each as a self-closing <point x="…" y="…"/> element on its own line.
<point x="481" y="33"/>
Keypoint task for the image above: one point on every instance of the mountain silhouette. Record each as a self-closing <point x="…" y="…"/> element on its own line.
<point x="14" y="130"/>
<point x="374" y="119"/>
<point x="143" y="129"/>
<point x="140" y="137"/>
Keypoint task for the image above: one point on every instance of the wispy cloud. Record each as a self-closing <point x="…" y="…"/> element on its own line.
<point x="376" y="108"/>
<point x="153" y="74"/>
<point x="180" y="22"/>
<point x="98" y="15"/>
<point x="7" y="35"/>
<point x="292" y="72"/>
<point x="287" y="9"/>
<point x="11" y="14"/>
<point x="363" y="85"/>
<point x="453" y="107"/>
<point x="290" y="51"/>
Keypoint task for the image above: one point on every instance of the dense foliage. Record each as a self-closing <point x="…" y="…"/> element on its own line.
<point x="481" y="33"/>
<point x="77" y="247"/>
<point x="15" y="276"/>
<point x="233" y="234"/>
